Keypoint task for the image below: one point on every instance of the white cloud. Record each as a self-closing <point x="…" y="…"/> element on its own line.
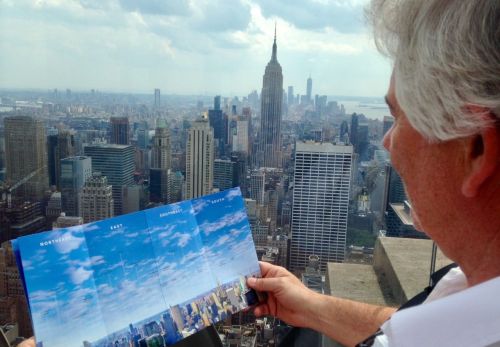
<point x="70" y="243"/>
<point x="185" y="46"/>
<point x="79" y="275"/>
<point x="226" y="221"/>
<point x="222" y="240"/>
<point x="182" y="239"/>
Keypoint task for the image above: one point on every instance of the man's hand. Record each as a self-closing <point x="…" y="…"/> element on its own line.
<point x="287" y="298"/>
<point x="28" y="343"/>
<point x="345" y="321"/>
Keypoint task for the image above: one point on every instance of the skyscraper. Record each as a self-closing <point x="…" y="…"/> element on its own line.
<point x="157" y="99"/>
<point x="161" y="152"/>
<point x="257" y="186"/>
<point x="290" y="96"/>
<point x="116" y="162"/>
<point x="388" y="122"/>
<point x="320" y="203"/>
<point x="224" y="171"/>
<point x="269" y="154"/>
<point x="309" y="89"/>
<point x="96" y="199"/>
<point x="74" y="172"/>
<point x="26" y="156"/>
<point x="59" y="146"/>
<point x="241" y="141"/>
<point x="160" y="165"/>
<point x="219" y="125"/>
<point x="120" y="130"/>
<point x="199" y="160"/>
<point x="354" y="130"/>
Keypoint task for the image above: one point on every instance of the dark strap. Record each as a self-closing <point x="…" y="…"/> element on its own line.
<point x="435" y="278"/>
<point x="416" y="300"/>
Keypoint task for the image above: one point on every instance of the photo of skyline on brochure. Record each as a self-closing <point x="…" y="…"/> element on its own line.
<point x="161" y="274"/>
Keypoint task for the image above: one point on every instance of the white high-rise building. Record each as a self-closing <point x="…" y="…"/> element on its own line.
<point x="199" y="159"/>
<point x="257" y="186"/>
<point x="320" y="203"/>
<point x="161" y="152"/>
<point x="96" y="199"/>
<point x="240" y="139"/>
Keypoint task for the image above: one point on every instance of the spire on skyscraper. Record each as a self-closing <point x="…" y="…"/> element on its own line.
<point x="274" y="58"/>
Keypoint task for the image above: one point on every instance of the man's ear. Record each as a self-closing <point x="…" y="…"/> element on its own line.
<point x="482" y="156"/>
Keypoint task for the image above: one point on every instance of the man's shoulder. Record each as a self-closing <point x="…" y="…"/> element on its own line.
<point x="465" y="318"/>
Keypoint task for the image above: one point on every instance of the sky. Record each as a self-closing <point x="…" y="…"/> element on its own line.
<point x="188" y="47"/>
<point x="102" y="276"/>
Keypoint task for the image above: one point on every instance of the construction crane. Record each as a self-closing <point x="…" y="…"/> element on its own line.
<point x="7" y="190"/>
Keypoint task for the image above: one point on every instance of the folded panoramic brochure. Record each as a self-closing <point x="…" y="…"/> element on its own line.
<point x="144" y="279"/>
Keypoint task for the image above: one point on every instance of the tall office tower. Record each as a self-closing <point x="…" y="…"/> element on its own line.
<point x="388" y="122"/>
<point x="224" y="174"/>
<point x="354" y="130"/>
<point x="363" y="141"/>
<point x="290" y="96"/>
<point x="199" y="159"/>
<point x="160" y="165"/>
<point x="96" y="199"/>
<point x="143" y="135"/>
<point x="217" y="102"/>
<point x="116" y="162"/>
<point x="270" y="120"/>
<point x="257" y="186"/>
<point x="344" y="132"/>
<point x="74" y="172"/>
<point x="162" y="150"/>
<point x="26" y="156"/>
<point x="320" y="203"/>
<point x="309" y="89"/>
<point x="120" y="131"/>
<point x="241" y="141"/>
<point x="175" y="183"/>
<point x="157" y="99"/>
<point x="218" y="122"/>
<point x="395" y="189"/>
<point x="59" y="146"/>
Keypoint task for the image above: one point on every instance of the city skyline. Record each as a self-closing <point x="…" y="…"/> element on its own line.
<point x="178" y="48"/>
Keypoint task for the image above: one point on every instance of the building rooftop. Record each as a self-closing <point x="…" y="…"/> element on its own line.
<point x="409" y="260"/>
<point x="402" y="213"/>
<point x="109" y="145"/>
<point x="322" y="147"/>
<point x="400" y="270"/>
<point x="357" y="282"/>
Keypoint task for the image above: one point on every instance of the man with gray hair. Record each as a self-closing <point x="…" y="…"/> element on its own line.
<point x="444" y="94"/>
<point x="445" y="142"/>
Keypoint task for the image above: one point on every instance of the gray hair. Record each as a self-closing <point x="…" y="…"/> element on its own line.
<point x="446" y="55"/>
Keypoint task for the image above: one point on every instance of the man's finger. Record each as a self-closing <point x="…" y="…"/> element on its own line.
<point x="264" y="284"/>
<point x="261" y="310"/>
<point x="28" y="343"/>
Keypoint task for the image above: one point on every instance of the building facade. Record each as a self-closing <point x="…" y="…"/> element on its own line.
<point x="120" y="130"/>
<point x="26" y="156"/>
<point x="269" y="153"/>
<point x="116" y="162"/>
<point x="224" y="172"/>
<point x="199" y="160"/>
<point x="74" y="172"/>
<point x="96" y="199"/>
<point x="322" y="180"/>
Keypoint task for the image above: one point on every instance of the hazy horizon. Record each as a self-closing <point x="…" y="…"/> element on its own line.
<point x="192" y="47"/>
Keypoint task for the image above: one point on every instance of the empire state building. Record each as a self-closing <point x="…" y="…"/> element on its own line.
<point x="270" y="122"/>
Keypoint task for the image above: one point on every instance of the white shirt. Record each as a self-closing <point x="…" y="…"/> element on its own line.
<point x="452" y="315"/>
